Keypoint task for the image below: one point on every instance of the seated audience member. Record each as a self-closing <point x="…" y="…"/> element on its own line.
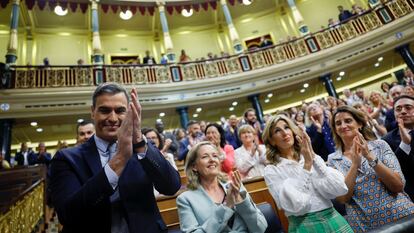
<point x="164" y="59"/>
<point x="80" y="62"/>
<point x="390" y="122"/>
<point x="155" y="137"/>
<point x="372" y="173"/>
<point x="379" y="130"/>
<point x="299" y="180"/>
<point x="193" y="137"/>
<point x="231" y="134"/>
<point x="85" y="130"/>
<point x="331" y="104"/>
<point x="318" y="129"/>
<point x="106" y="184"/>
<point x="357" y="10"/>
<point x="250" y="158"/>
<point x="265" y="42"/>
<point x="25" y="156"/>
<point x="179" y="134"/>
<point x="350" y="97"/>
<point x="203" y="125"/>
<point x="400" y="139"/>
<point x="42" y="157"/>
<point x="333" y="23"/>
<point x="211" y="203"/>
<point x="4" y="164"/>
<point x="215" y="134"/>
<point x="343" y="14"/>
<point x="62" y="145"/>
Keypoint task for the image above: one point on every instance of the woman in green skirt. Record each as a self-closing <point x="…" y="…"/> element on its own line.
<point x="299" y="181"/>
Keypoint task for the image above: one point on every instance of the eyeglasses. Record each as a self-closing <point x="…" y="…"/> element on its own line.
<point x="407" y="107"/>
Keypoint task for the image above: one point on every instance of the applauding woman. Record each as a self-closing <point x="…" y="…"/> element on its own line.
<point x="212" y="204"/>
<point x="372" y="173"/>
<point x="299" y="181"/>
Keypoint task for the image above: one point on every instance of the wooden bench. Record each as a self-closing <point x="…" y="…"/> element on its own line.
<point x="255" y="186"/>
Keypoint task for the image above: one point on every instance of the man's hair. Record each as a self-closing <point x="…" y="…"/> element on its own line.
<point x="108" y="88"/>
<point x="192" y="122"/>
<point x="403" y="97"/>
<point x="83" y="123"/>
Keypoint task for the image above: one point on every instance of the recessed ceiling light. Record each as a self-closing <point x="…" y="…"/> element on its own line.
<point x="338" y="78"/>
<point x="159" y="120"/>
<point x="199" y="109"/>
<point x="195" y="115"/>
<point x="270" y="95"/>
<point x="342" y="73"/>
<point x="59" y="11"/>
<point x="162" y="114"/>
<point x="125" y="15"/>
<point x="247" y="2"/>
<point x="266" y="100"/>
<point x="234" y="103"/>
<point x="187" y="13"/>
<point x="80" y="120"/>
<point x="380" y="59"/>
<point x="306" y="85"/>
<point x="377" y="64"/>
<point x="231" y="109"/>
<point x="34" y="123"/>
<point x="302" y="90"/>
<point x="39" y="130"/>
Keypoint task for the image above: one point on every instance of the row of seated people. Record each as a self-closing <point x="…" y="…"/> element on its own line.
<point x="365" y="161"/>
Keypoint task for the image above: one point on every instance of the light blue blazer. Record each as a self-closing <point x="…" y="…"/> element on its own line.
<point x="199" y="213"/>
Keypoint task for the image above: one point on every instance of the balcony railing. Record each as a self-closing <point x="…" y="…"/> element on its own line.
<point x="75" y="76"/>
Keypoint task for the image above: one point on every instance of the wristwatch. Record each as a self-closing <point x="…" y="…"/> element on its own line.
<point x="140" y="144"/>
<point x="373" y="162"/>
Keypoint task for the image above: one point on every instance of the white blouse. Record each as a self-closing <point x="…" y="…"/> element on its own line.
<point x="298" y="191"/>
<point x="248" y="165"/>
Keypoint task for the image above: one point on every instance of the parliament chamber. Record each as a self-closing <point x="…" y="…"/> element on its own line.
<point x="202" y="60"/>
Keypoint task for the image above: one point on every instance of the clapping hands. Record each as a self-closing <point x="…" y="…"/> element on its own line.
<point x="233" y="193"/>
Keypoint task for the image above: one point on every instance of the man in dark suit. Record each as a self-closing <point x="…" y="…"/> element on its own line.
<point x="400" y="139"/>
<point x="148" y="59"/>
<point x="193" y="137"/>
<point x="25" y="156"/>
<point x="42" y="157"/>
<point x="106" y="184"/>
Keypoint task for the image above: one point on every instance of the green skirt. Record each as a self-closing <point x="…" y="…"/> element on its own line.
<point x="328" y="220"/>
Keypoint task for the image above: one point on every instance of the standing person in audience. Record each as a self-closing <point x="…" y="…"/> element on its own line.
<point x="379" y="130"/>
<point x="251" y="119"/>
<point x="408" y="77"/>
<point x="172" y="141"/>
<point x="400" y="139"/>
<point x="379" y="107"/>
<point x="184" y="57"/>
<point x="408" y="90"/>
<point x="164" y="59"/>
<point x="84" y="131"/>
<point x="231" y="134"/>
<point x="160" y="143"/>
<point x="25" y="156"/>
<point x="194" y="136"/>
<point x="299" y="181"/>
<point x="318" y="129"/>
<point x="179" y="134"/>
<point x="212" y="203"/>
<point x="343" y="14"/>
<point x="106" y="184"/>
<point x="42" y="156"/>
<point x="250" y="158"/>
<point x="148" y="59"/>
<point x="350" y="97"/>
<point x="372" y="173"/>
<point x="331" y="104"/>
<point x="390" y="122"/>
<point x="215" y="134"/>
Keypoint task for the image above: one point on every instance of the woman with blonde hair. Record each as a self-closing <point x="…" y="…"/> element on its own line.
<point x="373" y="175"/>
<point x="250" y="158"/>
<point x="211" y="203"/>
<point x="299" y="181"/>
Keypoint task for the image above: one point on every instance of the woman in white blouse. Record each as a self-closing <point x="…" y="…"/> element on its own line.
<point x="299" y="181"/>
<point x="250" y="158"/>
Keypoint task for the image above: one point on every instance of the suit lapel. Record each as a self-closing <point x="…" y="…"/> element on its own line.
<point x="92" y="157"/>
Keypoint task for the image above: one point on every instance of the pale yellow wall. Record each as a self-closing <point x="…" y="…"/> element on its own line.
<point x="317" y="13"/>
<point x="129" y="45"/>
<point x="196" y="43"/>
<point x="61" y="50"/>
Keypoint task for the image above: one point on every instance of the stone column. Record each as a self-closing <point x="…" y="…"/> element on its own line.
<point x="96" y="40"/>
<point x="5" y="137"/>
<point x="183" y="111"/>
<point x="234" y="36"/>
<point x="257" y="107"/>
<point x="166" y="33"/>
<point x="330" y="88"/>
<point x="11" y="55"/>
<point x="406" y="54"/>
<point x="297" y="16"/>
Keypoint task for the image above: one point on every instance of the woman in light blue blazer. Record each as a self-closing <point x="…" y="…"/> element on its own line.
<point x="212" y="204"/>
